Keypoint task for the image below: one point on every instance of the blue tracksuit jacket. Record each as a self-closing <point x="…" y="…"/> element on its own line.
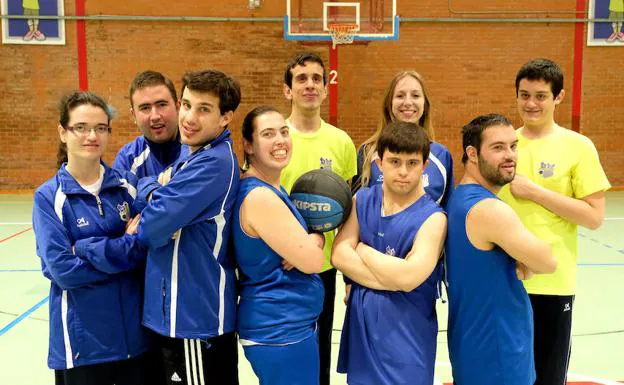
<point x="95" y="290"/>
<point x="190" y="281"/>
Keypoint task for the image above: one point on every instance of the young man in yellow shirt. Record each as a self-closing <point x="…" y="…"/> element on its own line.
<point x="316" y="145"/>
<point x="559" y="185"/>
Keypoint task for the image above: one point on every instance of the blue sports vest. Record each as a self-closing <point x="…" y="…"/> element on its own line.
<point x="490" y="326"/>
<point x="276" y="306"/>
<point x="389" y="338"/>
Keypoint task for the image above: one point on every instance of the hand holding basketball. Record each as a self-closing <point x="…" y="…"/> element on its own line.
<point x="323" y="199"/>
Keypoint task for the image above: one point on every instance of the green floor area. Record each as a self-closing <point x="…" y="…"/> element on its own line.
<point x="598" y="326"/>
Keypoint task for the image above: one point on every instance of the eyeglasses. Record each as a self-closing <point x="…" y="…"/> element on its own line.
<point x="83" y="129"/>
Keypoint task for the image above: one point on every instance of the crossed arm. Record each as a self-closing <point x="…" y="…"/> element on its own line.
<point x="409" y="273"/>
<point x="587" y="211"/>
<point x="492" y="222"/>
<point x="346" y="259"/>
<point x="265" y="215"/>
<point x="375" y="270"/>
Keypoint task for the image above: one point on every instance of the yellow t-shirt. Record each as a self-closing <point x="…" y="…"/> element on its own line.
<point x="566" y="162"/>
<point x="616" y="5"/>
<point x="328" y="148"/>
<point x="30" y="4"/>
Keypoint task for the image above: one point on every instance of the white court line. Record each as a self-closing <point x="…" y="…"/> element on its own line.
<point x="614" y="219"/>
<point x="14" y="223"/>
<point x="440" y="363"/>
<point x="597" y="380"/>
<point x="571" y="376"/>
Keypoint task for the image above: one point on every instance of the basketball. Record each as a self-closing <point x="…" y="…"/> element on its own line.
<point x="322" y="198"/>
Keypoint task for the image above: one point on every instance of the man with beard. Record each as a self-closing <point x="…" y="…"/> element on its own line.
<point x="154" y="107"/>
<point x="488" y="251"/>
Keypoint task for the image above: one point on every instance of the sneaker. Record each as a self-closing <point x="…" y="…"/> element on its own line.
<point x="29" y="36"/>
<point x="620" y="36"/>
<point x="39" y="35"/>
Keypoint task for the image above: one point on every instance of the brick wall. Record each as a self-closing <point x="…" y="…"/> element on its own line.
<point x="469" y="68"/>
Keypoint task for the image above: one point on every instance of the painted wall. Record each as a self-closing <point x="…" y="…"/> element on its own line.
<point x="470" y="70"/>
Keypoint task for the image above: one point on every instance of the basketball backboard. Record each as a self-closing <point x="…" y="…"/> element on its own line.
<point x="312" y="20"/>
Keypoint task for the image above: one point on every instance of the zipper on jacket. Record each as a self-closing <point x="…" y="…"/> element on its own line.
<point x="99" y="204"/>
<point x="164" y="300"/>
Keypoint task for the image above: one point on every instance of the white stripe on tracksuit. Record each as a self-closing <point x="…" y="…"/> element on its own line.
<point x="139" y="160"/>
<point x="173" y="312"/>
<point x="443" y="171"/>
<point x="194" y="362"/>
<point x="68" y="348"/>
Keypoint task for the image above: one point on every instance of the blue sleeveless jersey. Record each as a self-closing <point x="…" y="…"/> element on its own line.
<point x="490" y="326"/>
<point x="437" y="177"/>
<point x="389" y="338"/>
<point x="276" y="306"/>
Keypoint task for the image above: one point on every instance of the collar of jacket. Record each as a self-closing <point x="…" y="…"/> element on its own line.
<point x="165" y="152"/>
<point x="69" y="185"/>
<point x="223" y="137"/>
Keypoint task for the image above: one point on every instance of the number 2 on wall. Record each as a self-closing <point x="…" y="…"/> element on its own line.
<point x="333" y="77"/>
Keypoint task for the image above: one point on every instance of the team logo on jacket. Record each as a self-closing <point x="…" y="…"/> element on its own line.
<point x="124" y="211"/>
<point x="380" y="178"/>
<point x="547" y="169"/>
<point x="82" y="222"/>
<point x="390" y="251"/>
<point x="326" y="164"/>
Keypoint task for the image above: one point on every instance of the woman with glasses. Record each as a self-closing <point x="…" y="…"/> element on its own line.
<point x="85" y="228"/>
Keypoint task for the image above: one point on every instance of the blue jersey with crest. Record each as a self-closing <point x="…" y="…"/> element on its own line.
<point x="389" y="337"/>
<point x="276" y="306"/>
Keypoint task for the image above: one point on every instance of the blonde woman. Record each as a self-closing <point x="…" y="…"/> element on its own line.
<point x="407" y="100"/>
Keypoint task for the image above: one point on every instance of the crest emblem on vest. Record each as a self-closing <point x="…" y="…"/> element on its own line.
<point x="390" y="251"/>
<point x="82" y="222"/>
<point x="546" y="169"/>
<point x="326" y="164"/>
<point x="124" y="211"/>
<point x="425" y="180"/>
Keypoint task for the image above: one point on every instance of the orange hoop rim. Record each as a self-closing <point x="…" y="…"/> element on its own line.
<point x="343" y="27"/>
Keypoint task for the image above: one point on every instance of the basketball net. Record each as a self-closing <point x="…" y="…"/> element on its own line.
<point x="342" y="33"/>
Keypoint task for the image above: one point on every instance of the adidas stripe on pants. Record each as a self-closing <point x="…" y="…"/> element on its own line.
<point x="198" y="362"/>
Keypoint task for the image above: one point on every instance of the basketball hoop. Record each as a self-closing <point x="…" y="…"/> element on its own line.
<point x="342" y="33"/>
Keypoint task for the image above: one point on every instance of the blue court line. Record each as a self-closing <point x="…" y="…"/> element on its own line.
<point x="20" y="271"/>
<point x="23" y="316"/>
<point x="608" y="246"/>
